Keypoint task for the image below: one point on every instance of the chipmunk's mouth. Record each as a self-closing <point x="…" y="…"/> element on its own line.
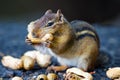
<point x="45" y="40"/>
<point x="30" y="41"/>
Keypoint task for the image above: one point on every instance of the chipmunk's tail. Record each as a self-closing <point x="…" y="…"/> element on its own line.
<point x="1" y="55"/>
<point x="104" y="60"/>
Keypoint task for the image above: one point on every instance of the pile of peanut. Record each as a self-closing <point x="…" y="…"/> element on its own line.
<point x="27" y="61"/>
<point x="29" y="58"/>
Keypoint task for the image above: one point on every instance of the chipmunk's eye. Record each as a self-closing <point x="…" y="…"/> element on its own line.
<point x="34" y="35"/>
<point x="50" y="23"/>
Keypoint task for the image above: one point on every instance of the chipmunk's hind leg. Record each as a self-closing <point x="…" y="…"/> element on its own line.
<point x="86" y="64"/>
<point x="83" y="64"/>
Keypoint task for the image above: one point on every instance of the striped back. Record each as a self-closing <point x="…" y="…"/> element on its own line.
<point x="83" y="29"/>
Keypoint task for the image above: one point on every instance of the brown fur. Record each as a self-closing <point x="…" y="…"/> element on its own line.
<point x="65" y="43"/>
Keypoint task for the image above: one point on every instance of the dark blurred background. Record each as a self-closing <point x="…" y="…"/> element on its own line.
<point x="16" y="14"/>
<point x="88" y="10"/>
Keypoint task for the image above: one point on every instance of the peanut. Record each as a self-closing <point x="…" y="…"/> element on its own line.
<point x="11" y="62"/>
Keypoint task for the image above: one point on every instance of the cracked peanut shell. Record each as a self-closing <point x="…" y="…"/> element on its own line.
<point x="113" y="73"/>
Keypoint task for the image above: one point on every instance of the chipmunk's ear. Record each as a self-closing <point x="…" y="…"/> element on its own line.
<point x="48" y="11"/>
<point x="58" y="13"/>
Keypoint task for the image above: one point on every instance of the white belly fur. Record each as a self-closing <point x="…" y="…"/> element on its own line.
<point x="77" y="61"/>
<point x="69" y="62"/>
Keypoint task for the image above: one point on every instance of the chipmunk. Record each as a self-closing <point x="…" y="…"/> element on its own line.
<point x="73" y="44"/>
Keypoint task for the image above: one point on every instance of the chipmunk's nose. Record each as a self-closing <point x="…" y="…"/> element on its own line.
<point x="26" y="37"/>
<point x="27" y="40"/>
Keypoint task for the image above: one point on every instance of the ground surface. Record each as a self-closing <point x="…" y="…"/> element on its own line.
<point x="12" y="36"/>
